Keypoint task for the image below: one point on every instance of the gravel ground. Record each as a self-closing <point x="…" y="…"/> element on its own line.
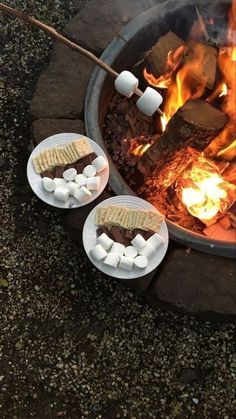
<point x="72" y="343"/>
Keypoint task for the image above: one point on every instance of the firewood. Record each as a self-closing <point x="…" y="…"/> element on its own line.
<point x="195" y="124"/>
<point x="203" y="63"/>
<point x="225" y="222"/>
<point x="157" y="56"/>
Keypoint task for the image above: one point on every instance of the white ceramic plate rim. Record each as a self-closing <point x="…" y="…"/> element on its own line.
<point x="90" y="238"/>
<point x="34" y="178"/>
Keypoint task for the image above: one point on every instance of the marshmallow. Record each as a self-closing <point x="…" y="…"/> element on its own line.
<point x="93" y="183"/>
<point x="69" y="174"/>
<point x="61" y="193"/>
<point x="59" y="181"/>
<point x="130" y="251"/>
<point x="126" y="83"/>
<point x="155" y="241"/>
<point x="141" y="262"/>
<point x="48" y="184"/>
<point x="100" y="163"/>
<point x="105" y="241"/>
<point x="89" y="171"/>
<point x="126" y="263"/>
<point x="147" y="251"/>
<point x="98" y="253"/>
<point x="81" y="180"/>
<point x="72" y="186"/>
<point x="149" y="101"/>
<point x="82" y="194"/>
<point x="112" y="259"/>
<point x="118" y="248"/>
<point x="138" y="242"/>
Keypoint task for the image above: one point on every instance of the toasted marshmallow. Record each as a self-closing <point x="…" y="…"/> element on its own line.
<point x="61" y="193"/>
<point x="118" y="248"/>
<point x="105" y="241"/>
<point x="82" y="194"/>
<point x="155" y="241"/>
<point x="72" y="186"/>
<point x="141" y="262"/>
<point x="48" y="184"/>
<point x="147" y="251"/>
<point x="89" y="171"/>
<point x="93" y="183"/>
<point x="130" y="251"/>
<point x="126" y="263"/>
<point x="138" y="242"/>
<point x="100" y="164"/>
<point x="112" y="259"/>
<point x="69" y="174"/>
<point x="98" y="253"/>
<point x="81" y="180"/>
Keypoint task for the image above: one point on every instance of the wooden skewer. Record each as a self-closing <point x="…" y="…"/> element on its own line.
<point x="56" y="35"/>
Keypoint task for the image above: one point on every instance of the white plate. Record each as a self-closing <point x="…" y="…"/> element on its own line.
<point x="90" y="238"/>
<point x="35" y="180"/>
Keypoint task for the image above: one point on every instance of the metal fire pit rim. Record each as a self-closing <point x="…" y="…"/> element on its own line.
<point x="93" y="130"/>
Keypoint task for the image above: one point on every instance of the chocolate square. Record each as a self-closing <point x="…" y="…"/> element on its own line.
<point x="59" y="171"/>
<point x="79" y="167"/>
<point x="148" y="234"/>
<point x="117" y="235"/>
<point x="139" y="231"/>
<point x="47" y="173"/>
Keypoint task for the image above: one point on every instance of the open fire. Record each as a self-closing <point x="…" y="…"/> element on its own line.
<point x="202" y="189"/>
<point x="191" y="164"/>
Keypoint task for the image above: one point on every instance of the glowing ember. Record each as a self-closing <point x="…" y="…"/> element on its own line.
<point x="224" y="90"/>
<point x="204" y="191"/>
<point x="140" y="150"/>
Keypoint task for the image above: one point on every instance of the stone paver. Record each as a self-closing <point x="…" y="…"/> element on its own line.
<point x="197" y="283"/>
<point x="45" y="127"/>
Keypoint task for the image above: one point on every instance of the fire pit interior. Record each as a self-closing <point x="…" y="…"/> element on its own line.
<point x="183" y="162"/>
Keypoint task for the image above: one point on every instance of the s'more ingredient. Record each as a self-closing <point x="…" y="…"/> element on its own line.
<point x="130" y="251"/>
<point x="155" y="241"/>
<point x="61" y="193"/>
<point x="100" y="164"/>
<point x="81" y="180"/>
<point x="117" y="248"/>
<point x="138" y="242"/>
<point x="73" y="187"/>
<point x="105" y="241"/>
<point x="141" y="262"/>
<point x="70" y="174"/>
<point x="59" y="181"/>
<point x="147" y="251"/>
<point x="112" y="259"/>
<point x="93" y="183"/>
<point x="89" y="171"/>
<point x="82" y="194"/>
<point x="48" y="184"/>
<point x="126" y="263"/>
<point x="98" y="253"/>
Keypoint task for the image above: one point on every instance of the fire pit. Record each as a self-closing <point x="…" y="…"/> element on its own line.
<point x="166" y="168"/>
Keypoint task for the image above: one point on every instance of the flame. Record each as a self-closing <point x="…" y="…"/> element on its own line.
<point x="227" y="66"/>
<point x="140" y="150"/>
<point x="204" y="191"/>
<point x="223" y="90"/>
<point x="173" y="60"/>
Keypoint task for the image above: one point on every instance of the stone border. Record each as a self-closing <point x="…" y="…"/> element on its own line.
<point x="187" y="281"/>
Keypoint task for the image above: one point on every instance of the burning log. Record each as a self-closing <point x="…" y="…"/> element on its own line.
<point x="157" y="57"/>
<point x="195" y="124"/>
<point x="204" y="74"/>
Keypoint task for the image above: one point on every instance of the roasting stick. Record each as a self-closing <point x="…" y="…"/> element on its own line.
<point x="54" y="34"/>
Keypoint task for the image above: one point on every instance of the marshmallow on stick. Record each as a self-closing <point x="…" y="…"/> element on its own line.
<point x="126" y="83"/>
